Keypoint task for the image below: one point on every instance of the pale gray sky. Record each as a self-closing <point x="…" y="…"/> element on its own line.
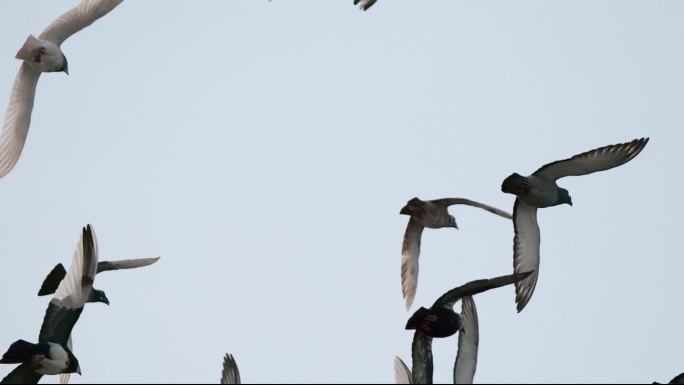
<point x="264" y="150"/>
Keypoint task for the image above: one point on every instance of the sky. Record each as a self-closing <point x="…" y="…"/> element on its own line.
<point x="264" y="150"/>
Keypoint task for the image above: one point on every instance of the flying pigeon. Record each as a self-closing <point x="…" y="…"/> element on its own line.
<point x="51" y="355"/>
<point x="364" y="4"/>
<point x="435" y="215"/>
<point x="540" y="190"/>
<point x="440" y="321"/>
<point x="59" y="273"/>
<point x="42" y="54"/>
<point x="230" y="374"/>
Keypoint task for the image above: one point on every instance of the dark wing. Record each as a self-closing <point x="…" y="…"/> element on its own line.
<point x="72" y="294"/>
<point x="231" y="374"/>
<point x="402" y="374"/>
<point x="468" y="343"/>
<point x="600" y="159"/>
<point x="52" y="281"/>
<point x="410" y="251"/>
<point x="22" y="374"/>
<point x="525" y="250"/>
<point x="450" y="298"/>
<point x="421" y="354"/>
<point x="365" y="4"/>
<point x="678" y="380"/>
<point x="446" y="202"/>
<point x="125" y="264"/>
<point x="77" y="18"/>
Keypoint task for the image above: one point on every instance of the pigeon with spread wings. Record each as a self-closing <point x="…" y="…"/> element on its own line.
<point x="52" y="355"/>
<point x="440" y="321"/>
<point x="435" y="215"/>
<point x="58" y="274"/>
<point x="42" y="54"/>
<point x="540" y="190"/>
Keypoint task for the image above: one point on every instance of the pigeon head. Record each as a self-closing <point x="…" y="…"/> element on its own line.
<point x="516" y="184"/>
<point x="564" y="197"/>
<point x="98" y="296"/>
<point x="414" y="208"/>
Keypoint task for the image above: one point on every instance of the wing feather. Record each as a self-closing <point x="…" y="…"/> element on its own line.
<point x="409" y="261"/>
<point x="125" y="264"/>
<point x="402" y="374"/>
<point x="449" y="299"/>
<point x="18" y="117"/>
<point x="231" y="374"/>
<point x="600" y="159"/>
<point x="462" y="201"/>
<point x="468" y="343"/>
<point x="77" y="18"/>
<point x="525" y="250"/>
<point x="421" y="354"/>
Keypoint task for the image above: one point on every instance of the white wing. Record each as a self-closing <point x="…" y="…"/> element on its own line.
<point x="468" y="343"/>
<point x="402" y="374"/>
<point x="125" y="264"/>
<point x="600" y="159"/>
<point x="525" y="250"/>
<point x="65" y="377"/>
<point x="79" y="17"/>
<point x="74" y="290"/>
<point x="409" y="261"/>
<point x="231" y="374"/>
<point x="17" y="117"/>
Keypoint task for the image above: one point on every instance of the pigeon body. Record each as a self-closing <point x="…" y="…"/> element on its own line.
<point x="540" y="190"/>
<point x="41" y="54"/>
<point x="435" y="215"/>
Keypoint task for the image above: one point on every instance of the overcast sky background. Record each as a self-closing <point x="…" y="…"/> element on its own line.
<point x="264" y="151"/>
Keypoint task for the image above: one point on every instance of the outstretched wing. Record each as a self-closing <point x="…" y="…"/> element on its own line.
<point x="125" y="264"/>
<point x="421" y="354"/>
<point x="52" y="281"/>
<point x="22" y="374"/>
<point x="409" y="261"/>
<point x="450" y="298"/>
<point x="446" y="202"/>
<point x="600" y="159"/>
<point x="77" y="18"/>
<point x="525" y="250"/>
<point x="17" y="118"/>
<point x="402" y="374"/>
<point x="67" y="304"/>
<point x="468" y="343"/>
<point x="231" y="374"/>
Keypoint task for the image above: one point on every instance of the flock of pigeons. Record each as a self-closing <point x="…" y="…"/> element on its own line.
<point x="53" y="353"/>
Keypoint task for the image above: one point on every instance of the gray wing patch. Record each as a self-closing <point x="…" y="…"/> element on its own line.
<point x="231" y="373"/>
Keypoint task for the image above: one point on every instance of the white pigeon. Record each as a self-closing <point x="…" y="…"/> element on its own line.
<point x="540" y="190"/>
<point x="41" y="54"/>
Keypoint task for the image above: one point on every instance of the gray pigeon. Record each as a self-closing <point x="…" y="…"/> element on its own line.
<point x="42" y="54"/>
<point x="51" y="355"/>
<point x="540" y="190"/>
<point x="435" y="215"/>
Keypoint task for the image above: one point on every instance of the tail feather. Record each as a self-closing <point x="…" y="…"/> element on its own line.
<point x="26" y="51"/>
<point x="18" y="352"/>
<point x="413" y="322"/>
